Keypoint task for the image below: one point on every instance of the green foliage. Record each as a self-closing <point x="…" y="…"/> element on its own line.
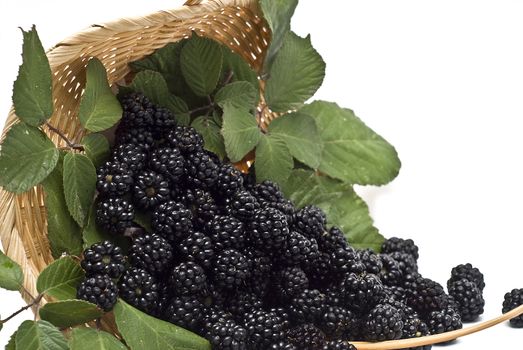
<point x="240" y="132"/>
<point x="273" y="159"/>
<point x="89" y="339"/>
<point x="96" y="148"/>
<point x="240" y="94"/>
<point x="240" y="69"/>
<point x="11" y="275"/>
<point x="79" y="185"/>
<point x="27" y="157"/>
<point x="39" y="335"/>
<point x="210" y="131"/>
<point x="60" y="279"/>
<point x="32" y="91"/>
<point x="68" y="313"/>
<point x="11" y="345"/>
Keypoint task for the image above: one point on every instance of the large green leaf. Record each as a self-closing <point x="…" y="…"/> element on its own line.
<point x="79" y="185"/>
<point x="32" y="91"/>
<point x="240" y="132"/>
<point x="99" y="108"/>
<point x="27" y="157"/>
<point x="89" y="339"/>
<point x="210" y="132"/>
<point x="201" y="61"/>
<point x="39" y="335"/>
<point x="60" y="279"/>
<point x="296" y="74"/>
<point x="67" y="313"/>
<point x="141" y="331"/>
<point x="352" y="152"/>
<point x="301" y="135"/>
<point x="232" y="62"/>
<point x="96" y="147"/>
<point x="11" y="345"/>
<point x="273" y="159"/>
<point x="11" y="275"/>
<point x="240" y="94"/>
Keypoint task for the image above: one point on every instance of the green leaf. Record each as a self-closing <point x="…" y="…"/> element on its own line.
<point x="273" y="159"/>
<point x="11" y="345"/>
<point x="141" y="331"/>
<point x="32" y="91"/>
<point x="11" y="275"/>
<point x="99" y="108"/>
<point x="201" y="61"/>
<point x="27" y="157"/>
<point x="60" y="279"/>
<point x="91" y="234"/>
<point x="301" y="135"/>
<point x="278" y="14"/>
<point x="232" y="62"/>
<point x="296" y="74"/>
<point x="62" y="231"/>
<point x="89" y="339"/>
<point x="68" y="313"/>
<point x="79" y="185"/>
<point x="143" y="219"/>
<point x="40" y="335"/>
<point x="96" y="148"/>
<point x="210" y="132"/>
<point x="240" y="94"/>
<point x="352" y="152"/>
<point x="240" y="132"/>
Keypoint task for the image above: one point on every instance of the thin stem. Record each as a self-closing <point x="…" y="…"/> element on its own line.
<point x="228" y="78"/>
<point x="28" y="293"/>
<point x="203" y="108"/>
<point x="36" y="301"/>
<point x="70" y="144"/>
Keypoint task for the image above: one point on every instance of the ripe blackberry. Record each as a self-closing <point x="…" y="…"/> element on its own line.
<point x="164" y="297"/>
<point x="197" y="247"/>
<point x="230" y="269"/>
<point x="200" y="170"/>
<point x="371" y="261"/>
<point x="139" y="288"/>
<point x="99" y="290"/>
<point x="260" y="266"/>
<point x="282" y="345"/>
<point x="512" y="300"/>
<point x="229" y="181"/>
<point x="390" y="273"/>
<point x="137" y="110"/>
<point x="202" y="205"/>
<point x="186" y="311"/>
<point x="320" y="271"/>
<point x="406" y="263"/>
<point x="345" y="260"/>
<point x="103" y="258"/>
<point x="442" y="321"/>
<point x="306" y="336"/>
<point x="283" y="315"/>
<point x="383" y="322"/>
<point x="299" y="250"/>
<point x="290" y="282"/>
<point x="311" y="220"/>
<point x="336" y="321"/>
<point x="269" y="195"/>
<point x="307" y="306"/>
<point x="469" y="299"/>
<point x="361" y="292"/>
<point x="150" y="189"/>
<point x="469" y="272"/>
<point x="404" y="310"/>
<point x="425" y="295"/>
<point x="162" y="120"/>
<point x="396" y="293"/>
<point x="243" y="303"/>
<point x="188" y="278"/>
<point x="133" y="156"/>
<point x="242" y="205"/>
<point x="401" y="245"/>
<point x="338" y="345"/>
<point x="215" y="297"/>
<point x="263" y="329"/>
<point x="172" y="221"/>
<point x="226" y="232"/>
<point x="214" y="314"/>
<point x="269" y="230"/>
<point x="227" y="335"/>
<point x="169" y="162"/>
<point x="142" y="137"/>
<point x="114" y="215"/>
<point x="187" y="139"/>
<point x="151" y="253"/>
<point x="113" y="179"/>
<point x="414" y="327"/>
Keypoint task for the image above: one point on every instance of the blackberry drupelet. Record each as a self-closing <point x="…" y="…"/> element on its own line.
<point x="242" y="205"/>
<point x="425" y="295"/>
<point x="401" y="245"/>
<point x="336" y="322"/>
<point x="267" y="191"/>
<point x="310" y="220"/>
<point x="103" y="258"/>
<point x="306" y="336"/>
<point x="282" y="345"/>
<point x="396" y="293"/>
<point x="338" y="345"/>
<point x="442" y="321"/>
<point x="114" y="215"/>
<point x="229" y="181"/>
<point x="202" y="205"/>
<point x="172" y="221"/>
<point x="406" y="263"/>
<point x="162" y="121"/>
<point x="390" y="273"/>
<point x="469" y="272"/>
<point x="133" y="156"/>
<point x="414" y="327"/>
<point x="371" y="261"/>
<point x="200" y="170"/>
<point x="282" y="313"/>
<point x="99" y="290"/>
<point x="197" y="247"/>
<point x="512" y="300"/>
<point x="345" y="260"/>
<point x="186" y="311"/>
<point x="137" y="110"/>
<point x="230" y="269"/>
<point x="299" y="250"/>
<point x="243" y="303"/>
<point x="469" y="299"/>
<point x="383" y="322"/>
<point x="142" y="137"/>
<point x="140" y="289"/>
<point x="169" y="162"/>
<point x="150" y="189"/>
<point x="307" y="306"/>
<point x="263" y="329"/>
<point x="227" y="335"/>
<point x="331" y="240"/>
<point x="226" y="232"/>
<point x="152" y="253"/>
<point x="113" y="179"/>
<point x="290" y="282"/>
<point x="269" y="230"/>
<point x="361" y="292"/>
<point x="213" y="314"/>
<point x="187" y="139"/>
<point x="188" y="278"/>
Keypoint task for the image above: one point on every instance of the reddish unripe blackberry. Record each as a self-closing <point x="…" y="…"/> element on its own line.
<point x="197" y="247"/>
<point x="227" y="335"/>
<point x="140" y="289"/>
<point x="114" y="215"/>
<point x="263" y="329"/>
<point x="242" y="205"/>
<point x="290" y="282"/>
<point x="200" y="170"/>
<point x="361" y="292"/>
<point x="425" y="295"/>
<point x="151" y="252"/>
<point x="230" y="269"/>
<point x="188" y="278"/>
<point x="310" y="220"/>
<point x="371" y="261"/>
<point x="133" y="156"/>
<point x="469" y="299"/>
<point x="229" y="181"/>
<point x="202" y="205"/>
<point x="390" y="274"/>
<point x="226" y="232"/>
<point x="442" y="321"/>
<point x="186" y="311"/>
<point x="512" y="300"/>
<point x="306" y="336"/>
<point x="336" y="321"/>
<point x="401" y="245"/>
<point x="299" y="250"/>
<point x="99" y="290"/>
<point x="113" y="179"/>
<point x="169" y="162"/>
<point x="187" y="139"/>
<point x="307" y="306"/>
<point x="103" y="258"/>
<point x="469" y="272"/>
<point x="150" y="189"/>
<point x="137" y="110"/>
<point x="338" y="345"/>
<point x="383" y="322"/>
<point x="269" y="230"/>
<point x="172" y="221"/>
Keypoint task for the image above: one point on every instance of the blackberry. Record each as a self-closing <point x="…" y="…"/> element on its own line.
<point x="307" y="337"/>
<point x="172" y="221"/>
<point x="229" y="181"/>
<point x="103" y="258"/>
<point x="99" y="290"/>
<point x="230" y="269"/>
<point x="283" y="315"/>
<point x="197" y="247"/>
<point x="243" y="303"/>
<point x="150" y="189"/>
<point x="188" y="278"/>
<point x="469" y="299"/>
<point x="426" y="295"/>
<point x="390" y="274"/>
<point x="140" y="289"/>
<point x="310" y="220"/>
<point x="242" y="205"/>
<point x="395" y="293"/>
<point x="151" y="253"/>
<point x="215" y="297"/>
<point x="512" y="300"/>
<point x="442" y="321"/>
<point x="414" y="327"/>
<point x="269" y="195"/>
<point x="383" y="322"/>
<point x="113" y="179"/>
<point x="186" y="311"/>
<point x="137" y="136"/>
<point x="187" y="139"/>
<point x="137" y="110"/>
<point x="269" y="230"/>
<point x="133" y="156"/>
<point x="260" y="266"/>
<point x="114" y="215"/>
<point x="307" y="306"/>
<point x="371" y="261"/>
<point x="336" y="321"/>
<point x="162" y="120"/>
<point x="345" y="260"/>
<point x="202" y="205"/>
<point x="469" y="272"/>
<point x="200" y="170"/>
<point x="361" y="292"/>
<point x="404" y="310"/>
<point x="331" y="240"/>
<point x="290" y="282"/>
<point x="169" y="162"/>
<point x="227" y="335"/>
<point x="320" y="271"/>
<point x="226" y="232"/>
<point x="406" y="263"/>
<point x="263" y="329"/>
<point x="213" y="315"/>
<point x="299" y="250"/>
<point x="282" y="345"/>
<point x="338" y="345"/>
<point x="164" y="297"/>
<point x="401" y="245"/>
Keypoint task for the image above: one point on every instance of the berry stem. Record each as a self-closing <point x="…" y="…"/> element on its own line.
<point x="70" y="144"/>
<point x="36" y="301"/>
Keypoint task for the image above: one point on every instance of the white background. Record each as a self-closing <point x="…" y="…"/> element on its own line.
<point x="441" y="80"/>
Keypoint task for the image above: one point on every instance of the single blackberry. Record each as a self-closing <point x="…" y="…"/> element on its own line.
<point x="269" y="230"/>
<point x="202" y="205"/>
<point x="396" y="293"/>
<point x="99" y="290"/>
<point x="212" y="315"/>
<point x="114" y="215"/>
<point x="426" y="295"/>
<point x="267" y="191"/>
<point x="137" y="110"/>
<point x="299" y="250"/>
<point x="188" y="278"/>
<point x="306" y="336"/>
<point x="345" y="260"/>
<point x="307" y="306"/>
<point x="311" y="220"/>
<point x="336" y="321"/>
<point x="162" y="120"/>
<point x="242" y="205"/>
<point x="186" y="311"/>
<point x="187" y="139"/>
<point x="401" y="245"/>
<point x="390" y="274"/>
<point x="404" y="310"/>
<point x="227" y="335"/>
<point x="243" y="303"/>
<point x="469" y="272"/>
<point x="361" y="292"/>
<point x="140" y="289"/>
<point x="133" y="156"/>
<point x="263" y="329"/>
<point x="152" y="253"/>
<point x="260" y="266"/>
<point x="200" y="170"/>
<point x="469" y="299"/>
<point x="103" y="258"/>
<point x="113" y="179"/>
<point x="338" y="345"/>
<point x="414" y="327"/>
<point x="172" y="221"/>
<point x="512" y="300"/>
<point x="142" y="137"/>
<point x="226" y="232"/>
<point x="290" y="282"/>
<point x="371" y="261"/>
<point x="406" y="263"/>
<point x="197" y="247"/>
<point x="383" y="322"/>
<point x="169" y="162"/>
<point x="150" y="189"/>
<point x="230" y="269"/>
<point x="320" y="271"/>
<point x="442" y="321"/>
<point x="229" y="181"/>
<point x="331" y="240"/>
<point x="282" y="345"/>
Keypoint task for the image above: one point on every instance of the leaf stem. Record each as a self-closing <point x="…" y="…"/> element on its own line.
<point x="35" y="302"/>
<point x="228" y="78"/>
<point x="69" y="143"/>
